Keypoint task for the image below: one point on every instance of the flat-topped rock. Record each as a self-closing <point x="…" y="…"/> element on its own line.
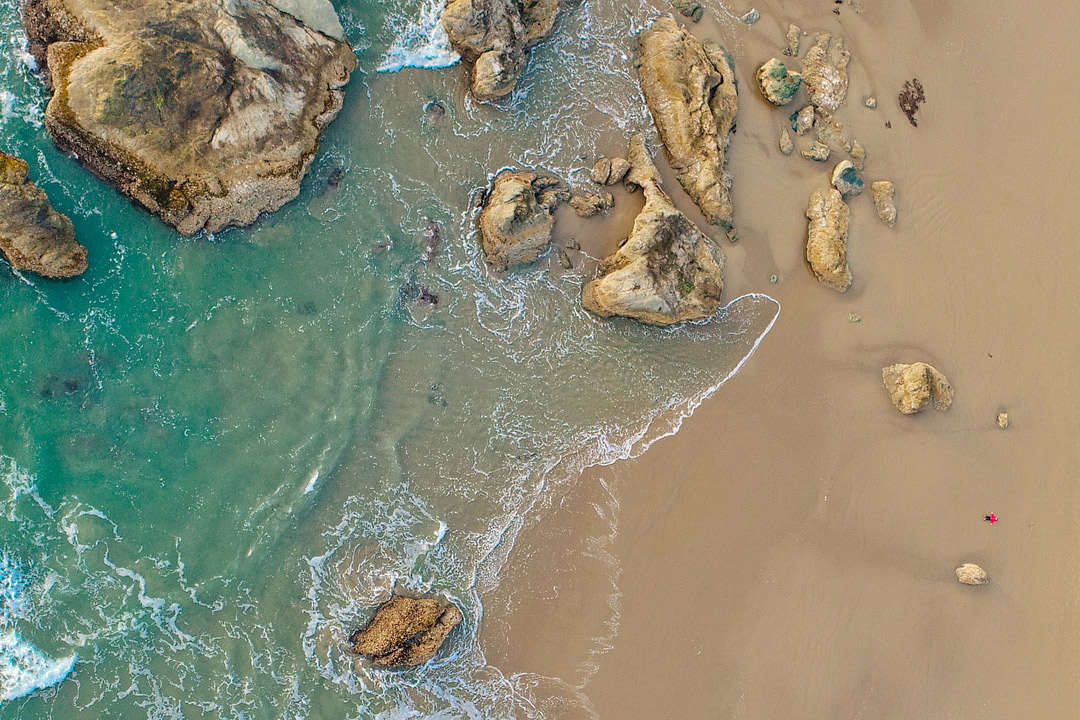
<point x="34" y="236"/>
<point x="207" y="113"/>
<point x="826" y="241"/>
<point x="911" y="387"/>
<point x="690" y="90"/>
<point x="405" y="631"/>
<point x="667" y="271"/>
<point x="517" y="220"/>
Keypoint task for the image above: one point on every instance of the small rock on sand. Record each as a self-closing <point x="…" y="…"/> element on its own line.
<point x="406" y="631"/>
<point x="778" y="85"/>
<point x="826" y="240"/>
<point x="858" y="155"/>
<point x="786" y="146"/>
<point x="870" y="101"/>
<point x="846" y="179"/>
<point x="884" y="193"/>
<point x="803" y="121"/>
<point x="818" y="151"/>
<point x="972" y="574"/>
<point x="793" y="36"/>
<point x="751" y="16"/>
<point x="912" y="387"/>
<point x="1003" y="420"/>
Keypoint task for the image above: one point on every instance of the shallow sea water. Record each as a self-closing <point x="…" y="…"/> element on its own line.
<point x="219" y="453"/>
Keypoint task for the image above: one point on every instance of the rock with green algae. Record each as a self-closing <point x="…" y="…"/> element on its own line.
<point x="405" y="631"/>
<point x="778" y="85"/>
<point x="911" y="387"/>
<point x="826" y="240"/>
<point x="802" y="121"/>
<point x="846" y="179"/>
<point x="34" y="236"/>
<point x="667" y="271"/>
<point x="206" y="113"/>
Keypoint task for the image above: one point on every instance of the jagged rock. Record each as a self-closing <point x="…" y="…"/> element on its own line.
<point x="884" y="192"/>
<point x="34" y="236"/>
<point x="493" y="35"/>
<point x="858" y="155"/>
<point x="793" y="37"/>
<point x="667" y="271"/>
<point x="870" y="101"/>
<point x="972" y="574"/>
<point x="912" y="387"/>
<point x="803" y="120"/>
<point x="826" y="241"/>
<point x="690" y="89"/>
<point x="1003" y="420"/>
<point x="609" y="171"/>
<point x="846" y="179"/>
<point x="206" y="113"/>
<point x="515" y="226"/>
<point x="786" y="145"/>
<point x="406" y="631"/>
<point x="817" y="151"/>
<point x="825" y="71"/>
<point x="589" y="204"/>
<point x="778" y="85"/>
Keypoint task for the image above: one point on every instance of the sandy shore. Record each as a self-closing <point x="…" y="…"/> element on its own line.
<point x="790" y="552"/>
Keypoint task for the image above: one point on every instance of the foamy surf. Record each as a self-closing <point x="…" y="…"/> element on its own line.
<point x="24" y="669"/>
<point x="423" y="43"/>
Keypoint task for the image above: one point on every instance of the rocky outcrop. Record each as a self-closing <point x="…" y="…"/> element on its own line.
<point x="516" y="223"/>
<point x="690" y="89"/>
<point x="609" y="171"/>
<point x="493" y="35"/>
<point x="589" y="204"/>
<point x="825" y="71"/>
<point x="845" y="178"/>
<point x="406" y="631"/>
<point x="826" y="242"/>
<point x="972" y="574"/>
<point x="34" y="236"/>
<point x="667" y="271"/>
<point x="884" y="193"/>
<point x="778" y="85"/>
<point x="206" y="113"/>
<point x="912" y="387"/>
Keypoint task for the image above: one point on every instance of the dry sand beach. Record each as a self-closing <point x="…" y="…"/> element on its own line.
<point x="790" y="552"/>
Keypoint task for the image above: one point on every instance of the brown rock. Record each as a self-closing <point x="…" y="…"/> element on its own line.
<point x="912" y="387"/>
<point x="690" y="89"/>
<point x="515" y="226"/>
<point x="406" y="631"/>
<point x="972" y="574"/>
<point x="609" y="171"/>
<point x="207" y="114"/>
<point x="589" y="204"/>
<point x="825" y="71"/>
<point x="884" y="193"/>
<point x="826" y="242"/>
<point x="34" y="236"/>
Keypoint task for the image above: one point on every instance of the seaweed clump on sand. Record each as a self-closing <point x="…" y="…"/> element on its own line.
<point x="911" y="97"/>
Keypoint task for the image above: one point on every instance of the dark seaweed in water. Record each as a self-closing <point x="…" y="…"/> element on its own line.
<point x="910" y="97"/>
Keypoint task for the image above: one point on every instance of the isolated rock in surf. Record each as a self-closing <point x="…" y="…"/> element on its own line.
<point x="516" y="223"/>
<point x="667" y="271"/>
<point x="826" y="241"/>
<point x="825" y="71"/>
<point x="34" y="236"/>
<point x="912" y="387"/>
<point x="778" y="85"/>
<point x="972" y="574"/>
<point x="206" y="113"/>
<point x="608" y="171"/>
<point x="690" y="89"/>
<point x="493" y="35"/>
<point x="406" y="631"/>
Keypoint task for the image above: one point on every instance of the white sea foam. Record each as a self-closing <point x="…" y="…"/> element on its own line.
<point x="23" y="669"/>
<point x="422" y="44"/>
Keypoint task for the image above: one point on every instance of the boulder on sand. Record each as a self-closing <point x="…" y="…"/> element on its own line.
<point x="690" y="89"/>
<point x="825" y="71"/>
<point x="516" y="222"/>
<point x="34" y="236"/>
<point x="826" y="241"/>
<point x="884" y="193"/>
<point x="406" y="631"/>
<point x="912" y="386"/>
<point x="206" y="113"/>
<point x="972" y="574"/>
<point x="845" y="178"/>
<point x="667" y="271"/>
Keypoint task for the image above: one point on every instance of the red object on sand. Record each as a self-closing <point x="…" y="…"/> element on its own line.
<point x="992" y="518"/>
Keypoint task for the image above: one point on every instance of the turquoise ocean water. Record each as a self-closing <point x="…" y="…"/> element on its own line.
<point x="219" y="453"/>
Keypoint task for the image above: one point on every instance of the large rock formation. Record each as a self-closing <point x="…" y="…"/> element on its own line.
<point x="406" y="631"/>
<point x="825" y="71"/>
<point x="206" y="112"/>
<point x="33" y="236"/>
<point x="826" y="238"/>
<point x="690" y="89"/>
<point x="516" y="223"/>
<point x="912" y="387"/>
<point x="667" y="271"/>
<point x="492" y="36"/>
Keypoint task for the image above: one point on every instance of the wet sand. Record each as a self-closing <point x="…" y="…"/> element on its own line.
<point x="790" y="552"/>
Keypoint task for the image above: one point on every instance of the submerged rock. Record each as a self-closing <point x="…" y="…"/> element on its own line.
<point x="689" y="8"/>
<point x="793" y="37"/>
<point x="778" y="85"/>
<point x="802" y="121"/>
<point x="493" y="35"/>
<point x="589" y="204"/>
<point x="206" y="113"/>
<point x="846" y="179"/>
<point x="690" y="89"/>
<point x="515" y="226"/>
<point x="826" y="241"/>
<point x="884" y="193"/>
<point x="912" y="387"/>
<point x="34" y="236"/>
<point x="667" y="271"/>
<point x="972" y="574"/>
<point x="786" y="145"/>
<point x="825" y="71"/>
<point x="406" y="631"/>
<point x="609" y="171"/>
<point x="816" y="151"/>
